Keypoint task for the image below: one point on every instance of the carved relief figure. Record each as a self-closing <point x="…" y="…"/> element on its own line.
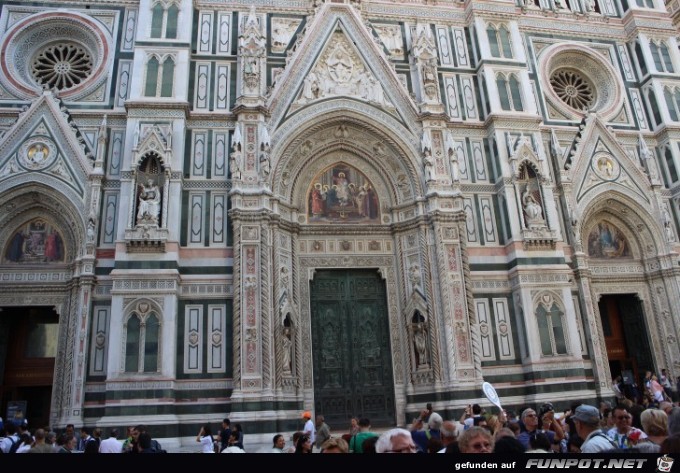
<point x="342" y="194"/>
<point x="149" y="203"/>
<point x="391" y="38"/>
<point x="282" y="32"/>
<point x="311" y="87"/>
<point x="38" y="154"/>
<point x="607" y="241"/>
<point x="341" y="72"/>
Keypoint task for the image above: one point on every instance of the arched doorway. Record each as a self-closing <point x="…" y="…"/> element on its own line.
<point x="28" y="348"/>
<point x="351" y="353"/>
<point x="626" y="338"/>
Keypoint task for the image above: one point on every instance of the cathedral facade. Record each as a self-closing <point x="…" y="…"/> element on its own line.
<point x="248" y="209"/>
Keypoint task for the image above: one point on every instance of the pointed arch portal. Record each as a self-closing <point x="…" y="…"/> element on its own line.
<point x="351" y="347"/>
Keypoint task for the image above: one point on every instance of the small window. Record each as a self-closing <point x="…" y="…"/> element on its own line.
<point x="670" y="103"/>
<point x="132" y="345"/>
<point x="142" y="342"/>
<point x="502" y="85"/>
<point x="509" y="93"/>
<point x="654" y="106"/>
<point x="665" y="54"/>
<point x="551" y="330"/>
<point x="157" y="14"/>
<point x="151" y="77"/>
<point x="168" y="74"/>
<point x="499" y="42"/>
<point x="164" y="20"/>
<point x="171" y="28"/>
<point x="670" y="163"/>
<point x="493" y="41"/>
<point x="159" y="77"/>
<point x="505" y="42"/>
<point x="640" y="58"/>
<point x="515" y="93"/>
<point x="656" y="56"/>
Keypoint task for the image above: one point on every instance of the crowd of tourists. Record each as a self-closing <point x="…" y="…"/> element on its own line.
<point x="640" y="419"/>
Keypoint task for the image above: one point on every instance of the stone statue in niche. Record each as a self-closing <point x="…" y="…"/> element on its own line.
<point x="668" y="225"/>
<point x="420" y="343"/>
<point x="428" y="165"/>
<point x="532" y="209"/>
<point x="149" y="203"/>
<point x="414" y="276"/>
<point x="90" y="231"/>
<point x="287" y="347"/>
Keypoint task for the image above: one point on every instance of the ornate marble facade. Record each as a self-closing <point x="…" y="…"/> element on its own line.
<point x="171" y="191"/>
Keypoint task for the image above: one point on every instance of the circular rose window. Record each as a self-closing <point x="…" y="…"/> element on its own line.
<point x="66" y="51"/>
<point x="62" y="66"/>
<point x="573" y="88"/>
<point x="577" y="79"/>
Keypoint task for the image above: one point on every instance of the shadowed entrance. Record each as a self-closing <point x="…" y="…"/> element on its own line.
<point x="351" y="348"/>
<point x="626" y="338"/>
<point x="28" y="347"/>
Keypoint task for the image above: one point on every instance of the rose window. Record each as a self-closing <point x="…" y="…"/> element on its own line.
<point x="573" y="89"/>
<point x="62" y="66"/>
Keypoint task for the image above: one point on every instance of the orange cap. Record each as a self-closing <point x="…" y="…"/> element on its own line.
<point x="306" y="415"/>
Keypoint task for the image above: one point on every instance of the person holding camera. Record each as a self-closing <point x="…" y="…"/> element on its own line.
<point x="472" y="412"/>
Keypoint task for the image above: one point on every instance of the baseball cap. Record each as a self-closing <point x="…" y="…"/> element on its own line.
<point x="306" y="415"/>
<point x="587" y="414"/>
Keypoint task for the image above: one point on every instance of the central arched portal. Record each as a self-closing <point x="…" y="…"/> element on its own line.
<point x="351" y="347"/>
<point x="625" y="335"/>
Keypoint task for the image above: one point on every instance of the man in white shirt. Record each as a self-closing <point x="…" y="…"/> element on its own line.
<point x="309" y="428"/>
<point x="111" y="444"/>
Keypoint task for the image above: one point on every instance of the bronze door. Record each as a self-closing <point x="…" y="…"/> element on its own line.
<point x="351" y="348"/>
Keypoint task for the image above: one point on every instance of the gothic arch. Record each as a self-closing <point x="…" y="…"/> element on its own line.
<point x="23" y="204"/>
<point x="645" y="236"/>
<point x="349" y="129"/>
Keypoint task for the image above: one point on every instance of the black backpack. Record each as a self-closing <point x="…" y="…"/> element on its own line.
<point x="15" y="445"/>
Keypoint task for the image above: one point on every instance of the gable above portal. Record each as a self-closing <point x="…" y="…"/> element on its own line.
<point x="340" y="71"/>
<point x="337" y="56"/>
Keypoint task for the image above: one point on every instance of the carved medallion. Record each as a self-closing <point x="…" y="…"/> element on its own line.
<point x="37" y="153"/>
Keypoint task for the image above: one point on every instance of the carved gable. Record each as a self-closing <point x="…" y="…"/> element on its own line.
<point x="601" y="164"/>
<point x="46" y="144"/>
<point x="330" y="60"/>
<point x="341" y="71"/>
